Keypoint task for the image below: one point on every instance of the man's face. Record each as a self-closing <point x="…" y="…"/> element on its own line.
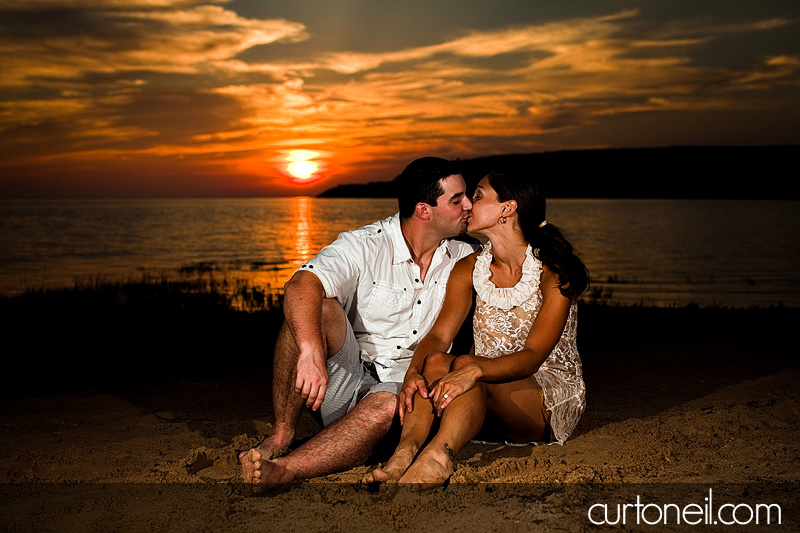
<point x="452" y="207"/>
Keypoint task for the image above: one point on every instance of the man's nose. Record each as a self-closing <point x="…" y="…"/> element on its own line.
<point x="467" y="204"/>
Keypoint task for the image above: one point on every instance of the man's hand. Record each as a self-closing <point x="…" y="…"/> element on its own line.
<point x="412" y="384"/>
<point x="312" y="380"/>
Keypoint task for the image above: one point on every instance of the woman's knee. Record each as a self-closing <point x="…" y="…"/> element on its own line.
<point x="438" y="363"/>
<point x="463" y="360"/>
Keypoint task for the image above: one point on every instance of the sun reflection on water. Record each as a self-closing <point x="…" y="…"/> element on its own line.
<point x="302" y="243"/>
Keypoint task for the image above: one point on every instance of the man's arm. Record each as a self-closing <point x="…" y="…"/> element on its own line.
<point x="302" y="307"/>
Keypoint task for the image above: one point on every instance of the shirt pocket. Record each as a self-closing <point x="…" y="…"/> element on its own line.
<point x="439" y="290"/>
<point x="387" y="306"/>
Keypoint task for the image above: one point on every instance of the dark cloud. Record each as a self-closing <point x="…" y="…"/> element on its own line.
<point x="184" y="88"/>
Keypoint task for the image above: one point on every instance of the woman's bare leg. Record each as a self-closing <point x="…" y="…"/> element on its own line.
<point x="516" y="409"/>
<point x="461" y="421"/>
<point x="416" y="427"/>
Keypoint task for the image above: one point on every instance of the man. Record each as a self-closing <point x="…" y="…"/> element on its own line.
<point x="354" y="314"/>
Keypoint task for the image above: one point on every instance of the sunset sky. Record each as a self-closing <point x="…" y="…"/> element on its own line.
<point x="214" y="97"/>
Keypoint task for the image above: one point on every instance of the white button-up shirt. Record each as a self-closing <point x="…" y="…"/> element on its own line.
<point x="371" y="273"/>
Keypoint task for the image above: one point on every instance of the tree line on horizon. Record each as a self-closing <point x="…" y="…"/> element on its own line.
<point x="677" y="172"/>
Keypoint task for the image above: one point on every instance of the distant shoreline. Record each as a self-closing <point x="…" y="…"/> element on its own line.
<point x="675" y="172"/>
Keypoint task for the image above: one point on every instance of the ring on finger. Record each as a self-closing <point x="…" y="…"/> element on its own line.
<point x="444" y="396"/>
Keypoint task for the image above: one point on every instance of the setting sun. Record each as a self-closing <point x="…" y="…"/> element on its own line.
<point x="300" y="164"/>
<point x="303" y="169"/>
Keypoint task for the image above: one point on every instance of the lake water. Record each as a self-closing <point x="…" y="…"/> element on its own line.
<point x="653" y="252"/>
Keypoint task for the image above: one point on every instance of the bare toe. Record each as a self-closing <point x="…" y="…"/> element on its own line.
<point x="375" y="479"/>
<point x="250" y="463"/>
<point x="427" y="473"/>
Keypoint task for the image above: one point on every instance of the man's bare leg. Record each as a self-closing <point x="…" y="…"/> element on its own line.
<point x="344" y="444"/>
<point x="286" y="402"/>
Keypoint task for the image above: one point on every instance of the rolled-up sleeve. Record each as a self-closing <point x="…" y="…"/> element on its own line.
<point x="338" y="267"/>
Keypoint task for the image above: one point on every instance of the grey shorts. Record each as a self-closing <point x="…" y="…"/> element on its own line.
<point x="350" y="380"/>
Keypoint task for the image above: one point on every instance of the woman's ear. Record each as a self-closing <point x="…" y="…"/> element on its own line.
<point x="509" y="208"/>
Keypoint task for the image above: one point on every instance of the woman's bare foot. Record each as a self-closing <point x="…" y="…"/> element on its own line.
<point x="394" y="468"/>
<point x="264" y="472"/>
<point x="431" y="469"/>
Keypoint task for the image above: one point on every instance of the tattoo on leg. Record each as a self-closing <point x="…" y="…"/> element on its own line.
<point x="450" y="452"/>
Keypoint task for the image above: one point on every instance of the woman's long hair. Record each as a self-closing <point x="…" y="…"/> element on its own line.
<point x="549" y="244"/>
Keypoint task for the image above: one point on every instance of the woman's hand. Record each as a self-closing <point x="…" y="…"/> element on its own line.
<point x="412" y="384"/>
<point x="465" y="374"/>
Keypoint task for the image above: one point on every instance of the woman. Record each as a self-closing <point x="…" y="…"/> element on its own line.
<point x="524" y="384"/>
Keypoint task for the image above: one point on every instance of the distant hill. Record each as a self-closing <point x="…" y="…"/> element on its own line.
<point x="758" y="172"/>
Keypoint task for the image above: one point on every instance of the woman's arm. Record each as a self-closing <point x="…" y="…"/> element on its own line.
<point x="456" y="305"/>
<point x="542" y="339"/>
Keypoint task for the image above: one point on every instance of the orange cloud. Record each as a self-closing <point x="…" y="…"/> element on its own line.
<point x="167" y="80"/>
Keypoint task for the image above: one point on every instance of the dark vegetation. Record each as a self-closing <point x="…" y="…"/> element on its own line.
<point x="721" y="172"/>
<point x="112" y="336"/>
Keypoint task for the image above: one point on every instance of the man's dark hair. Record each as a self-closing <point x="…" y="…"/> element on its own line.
<point x="419" y="182"/>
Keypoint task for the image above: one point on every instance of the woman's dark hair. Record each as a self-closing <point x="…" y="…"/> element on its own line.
<point x="549" y="244"/>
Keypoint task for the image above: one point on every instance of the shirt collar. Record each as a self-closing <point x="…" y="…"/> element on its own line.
<point x="401" y="251"/>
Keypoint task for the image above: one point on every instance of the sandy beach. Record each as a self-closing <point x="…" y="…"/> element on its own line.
<point x="680" y="401"/>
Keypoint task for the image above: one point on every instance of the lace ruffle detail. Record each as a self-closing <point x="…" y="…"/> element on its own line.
<point x="505" y="297"/>
<point x="499" y="330"/>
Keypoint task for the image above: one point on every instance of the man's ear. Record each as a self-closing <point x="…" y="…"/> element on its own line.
<point x="423" y="211"/>
<point x="510" y="208"/>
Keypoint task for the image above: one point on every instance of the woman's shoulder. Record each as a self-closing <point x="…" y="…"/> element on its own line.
<point x="462" y="270"/>
<point x="468" y="262"/>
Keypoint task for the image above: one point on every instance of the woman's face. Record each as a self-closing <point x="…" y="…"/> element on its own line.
<point x="486" y="209"/>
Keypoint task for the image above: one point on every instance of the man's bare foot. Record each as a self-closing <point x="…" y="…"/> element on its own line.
<point x="271" y="448"/>
<point x="393" y="470"/>
<point x="431" y="469"/>
<point x="264" y="472"/>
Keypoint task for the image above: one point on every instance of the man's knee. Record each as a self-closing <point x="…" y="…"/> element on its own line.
<point x="332" y="311"/>
<point x="381" y="407"/>
<point x="334" y="329"/>
<point x="334" y="325"/>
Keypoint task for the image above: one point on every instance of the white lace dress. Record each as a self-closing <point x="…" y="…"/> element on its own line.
<point x="502" y="321"/>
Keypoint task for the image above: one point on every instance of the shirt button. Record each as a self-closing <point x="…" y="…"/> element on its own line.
<point x="416" y="280"/>
<point x="414" y="332"/>
<point x="419" y="302"/>
<point x="399" y="348"/>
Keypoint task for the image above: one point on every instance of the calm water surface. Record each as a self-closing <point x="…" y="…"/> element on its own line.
<point x="657" y="252"/>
